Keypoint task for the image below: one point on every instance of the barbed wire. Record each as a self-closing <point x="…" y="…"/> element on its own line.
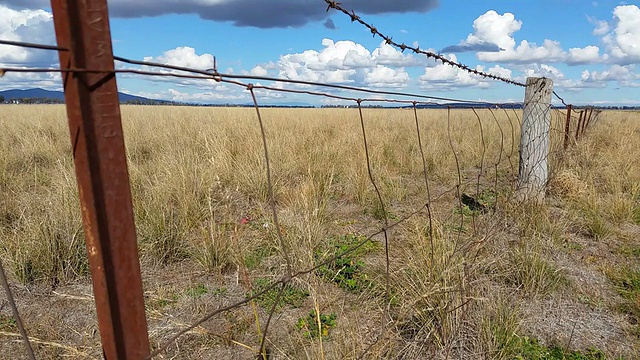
<point x="225" y="78"/>
<point x="222" y="78"/>
<point x="29" y="45"/>
<point x="214" y="75"/>
<point x="559" y="98"/>
<point x="389" y="41"/>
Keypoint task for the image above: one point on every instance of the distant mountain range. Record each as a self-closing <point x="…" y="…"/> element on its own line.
<point x="59" y="95"/>
<point x="42" y="96"/>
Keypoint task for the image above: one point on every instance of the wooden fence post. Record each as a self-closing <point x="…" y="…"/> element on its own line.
<point x="534" y="139"/>
<point x="93" y="110"/>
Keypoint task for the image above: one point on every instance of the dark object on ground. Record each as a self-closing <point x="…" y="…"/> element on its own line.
<point x="473" y="204"/>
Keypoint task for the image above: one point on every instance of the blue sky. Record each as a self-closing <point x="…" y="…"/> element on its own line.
<point x="591" y="49"/>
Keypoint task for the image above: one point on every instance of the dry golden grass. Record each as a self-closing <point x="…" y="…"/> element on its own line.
<point x="462" y="284"/>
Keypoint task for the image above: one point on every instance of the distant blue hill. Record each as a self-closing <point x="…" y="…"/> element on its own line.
<point x="59" y="95"/>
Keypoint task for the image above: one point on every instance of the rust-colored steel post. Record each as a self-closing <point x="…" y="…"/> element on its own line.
<point x="584" y="121"/>
<point x="567" y="127"/>
<point x="589" y="118"/>
<point x="579" y="124"/>
<point x="95" y="126"/>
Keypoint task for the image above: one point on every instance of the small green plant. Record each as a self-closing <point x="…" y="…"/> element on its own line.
<point x="465" y="210"/>
<point x="313" y="328"/>
<point x="379" y="212"/>
<point x="253" y="258"/>
<point x="7" y="323"/>
<point x="488" y="198"/>
<point x="197" y="291"/>
<point x="163" y="302"/>
<point x="628" y="285"/>
<point x="291" y="295"/>
<point x="531" y="349"/>
<point x="346" y="271"/>
<point x="219" y="291"/>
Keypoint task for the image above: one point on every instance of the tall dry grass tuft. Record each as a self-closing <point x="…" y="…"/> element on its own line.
<point x="41" y="228"/>
<point x="431" y="285"/>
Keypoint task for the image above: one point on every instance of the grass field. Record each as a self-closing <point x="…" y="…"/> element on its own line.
<point x="558" y="280"/>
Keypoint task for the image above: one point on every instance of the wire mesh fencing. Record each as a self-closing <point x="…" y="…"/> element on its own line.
<point x="365" y="230"/>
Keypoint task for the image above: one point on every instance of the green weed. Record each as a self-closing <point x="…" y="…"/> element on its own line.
<point x="253" y="258"/>
<point x="531" y="349"/>
<point x="163" y="302"/>
<point x="8" y="323"/>
<point x="196" y="291"/>
<point x="347" y="271"/>
<point x="291" y="295"/>
<point x="314" y="328"/>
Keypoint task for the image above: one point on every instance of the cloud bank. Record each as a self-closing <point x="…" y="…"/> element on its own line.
<point x="255" y="13"/>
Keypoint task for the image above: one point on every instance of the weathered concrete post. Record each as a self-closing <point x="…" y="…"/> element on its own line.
<point x="534" y="139"/>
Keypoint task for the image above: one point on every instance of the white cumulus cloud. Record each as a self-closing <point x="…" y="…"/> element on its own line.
<point x="35" y="26"/>
<point x="494" y="28"/>
<point x="383" y="76"/>
<point x="558" y="77"/>
<point x="386" y="54"/>
<point x="587" y="55"/>
<point x="183" y="56"/>
<point x="259" y="71"/>
<point x="445" y="77"/>
<point x="624" y="41"/>
<point x="493" y="40"/>
<point x="526" y="52"/>
<point x="624" y="75"/>
<point x="347" y="62"/>
<point x="602" y="27"/>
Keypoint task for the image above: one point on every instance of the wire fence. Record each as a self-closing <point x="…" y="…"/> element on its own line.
<point x="459" y="203"/>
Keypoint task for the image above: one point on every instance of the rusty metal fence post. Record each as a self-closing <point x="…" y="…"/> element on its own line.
<point x="82" y="28"/>
<point x="588" y="120"/>
<point x="579" y="124"/>
<point x="567" y="127"/>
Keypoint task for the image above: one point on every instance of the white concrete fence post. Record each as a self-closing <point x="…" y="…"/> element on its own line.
<point x="534" y="139"/>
